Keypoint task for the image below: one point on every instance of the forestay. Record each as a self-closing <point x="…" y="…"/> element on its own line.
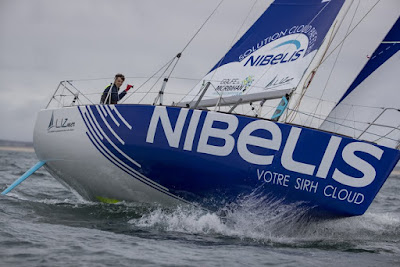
<point x="354" y="38"/>
<point x="270" y="59"/>
<point x="370" y="108"/>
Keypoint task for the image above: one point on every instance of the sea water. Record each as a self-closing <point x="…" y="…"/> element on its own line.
<point x="44" y="224"/>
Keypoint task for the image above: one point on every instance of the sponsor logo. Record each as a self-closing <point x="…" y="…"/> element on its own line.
<point x="60" y="124"/>
<point x="277" y="81"/>
<point x="349" y="154"/>
<point x="274" y="59"/>
<point x="234" y="85"/>
<point x="307" y="30"/>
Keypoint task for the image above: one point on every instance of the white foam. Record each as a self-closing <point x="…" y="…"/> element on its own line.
<point x="264" y="220"/>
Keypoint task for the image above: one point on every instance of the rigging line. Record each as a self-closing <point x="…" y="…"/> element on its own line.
<point x="78" y="91"/>
<point x="176" y="62"/>
<point x="336" y="59"/>
<point x="350" y="32"/>
<point x="345" y="104"/>
<point x="236" y="35"/>
<point x="151" y="88"/>
<point x="334" y="117"/>
<point x="308" y="81"/>
<point x="269" y="67"/>
<point x="168" y="63"/>
<point x="188" y="43"/>
<point x="292" y="115"/>
<point x="232" y="44"/>
<point x="165" y="80"/>
<point x="350" y="127"/>
<point x="220" y="62"/>
<point x="202" y="25"/>
<point x="134" y="77"/>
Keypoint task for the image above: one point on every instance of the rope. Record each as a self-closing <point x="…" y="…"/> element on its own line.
<point x="347" y="35"/>
<point x="220" y="62"/>
<point x="178" y="56"/>
<point x="350" y="127"/>
<point x="290" y="116"/>
<point x="168" y="63"/>
<point x="336" y="59"/>
<point x="201" y="27"/>
<point x="234" y="38"/>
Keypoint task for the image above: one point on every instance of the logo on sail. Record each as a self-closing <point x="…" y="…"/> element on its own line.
<point x="307" y="30"/>
<point x="234" y="85"/>
<point x="279" y="57"/>
<point x="278" y="81"/>
<point x="294" y="42"/>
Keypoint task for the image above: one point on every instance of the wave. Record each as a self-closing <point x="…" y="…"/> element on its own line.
<point x="269" y="221"/>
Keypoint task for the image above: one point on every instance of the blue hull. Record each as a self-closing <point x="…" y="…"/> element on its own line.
<point x="213" y="158"/>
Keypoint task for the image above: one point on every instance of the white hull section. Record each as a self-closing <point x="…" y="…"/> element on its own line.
<point x="74" y="161"/>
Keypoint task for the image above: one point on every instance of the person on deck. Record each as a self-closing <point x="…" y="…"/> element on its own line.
<point x="112" y="97"/>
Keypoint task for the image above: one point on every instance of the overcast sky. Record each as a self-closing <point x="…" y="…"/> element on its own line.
<point x="44" y="42"/>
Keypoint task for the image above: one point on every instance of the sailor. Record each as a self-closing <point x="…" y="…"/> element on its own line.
<point x="112" y="97"/>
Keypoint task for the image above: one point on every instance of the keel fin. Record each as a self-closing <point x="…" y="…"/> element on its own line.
<point x="24" y="176"/>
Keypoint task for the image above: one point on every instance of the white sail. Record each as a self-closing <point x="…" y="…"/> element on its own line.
<point x="370" y="108"/>
<point x="359" y="35"/>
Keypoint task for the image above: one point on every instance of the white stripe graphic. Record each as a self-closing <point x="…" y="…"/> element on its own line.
<point x="113" y="145"/>
<point x="124" y="166"/>
<point x="91" y="126"/>
<point x="111" y="115"/>
<point x="105" y="114"/>
<point x="120" y="116"/>
<point x="109" y="127"/>
<point x="132" y="172"/>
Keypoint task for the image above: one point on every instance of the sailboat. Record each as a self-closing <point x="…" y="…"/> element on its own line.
<point x="201" y="150"/>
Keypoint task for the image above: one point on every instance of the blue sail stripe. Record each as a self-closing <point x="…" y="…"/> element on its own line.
<point x="394" y="34"/>
<point x="383" y="53"/>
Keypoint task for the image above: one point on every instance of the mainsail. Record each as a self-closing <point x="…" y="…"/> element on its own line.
<point x="270" y="59"/>
<point x="370" y="108"/>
